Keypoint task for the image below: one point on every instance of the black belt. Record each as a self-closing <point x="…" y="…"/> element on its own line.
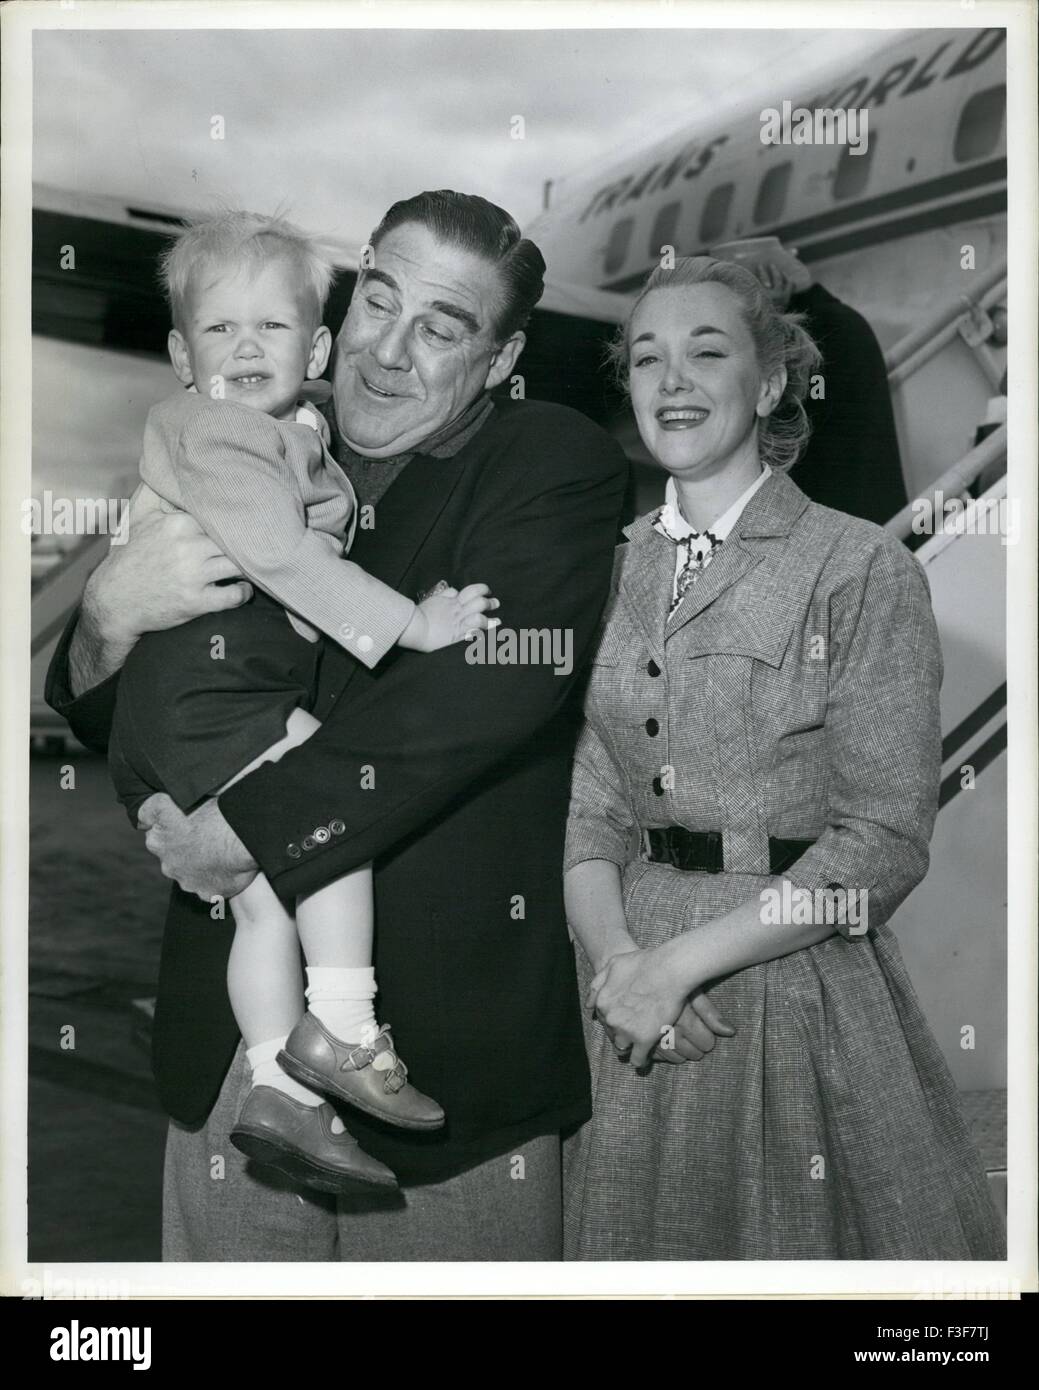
<point x="703" y="850"/>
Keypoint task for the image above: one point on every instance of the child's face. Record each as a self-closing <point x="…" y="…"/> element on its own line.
<point x="249" y="337"/>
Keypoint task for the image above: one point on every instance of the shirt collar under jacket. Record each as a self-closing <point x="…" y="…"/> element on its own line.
<point x="679" y="529"/>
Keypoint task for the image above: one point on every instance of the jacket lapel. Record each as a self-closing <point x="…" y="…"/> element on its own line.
<point x="765" y="523"/>
<point x="726" y="569"/>
<point x="647" y="579"/>
<point x="405" y="515"/>
<point x="649" y="576"/>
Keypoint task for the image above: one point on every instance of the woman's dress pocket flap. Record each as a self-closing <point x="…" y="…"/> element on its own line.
<point x="744" y="631"/>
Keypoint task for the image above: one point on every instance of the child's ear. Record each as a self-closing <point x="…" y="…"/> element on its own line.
<point x="180" y="357"/>
<point x="319" y="350"/>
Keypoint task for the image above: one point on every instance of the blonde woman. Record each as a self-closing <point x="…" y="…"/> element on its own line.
<point x="753" y="797"/>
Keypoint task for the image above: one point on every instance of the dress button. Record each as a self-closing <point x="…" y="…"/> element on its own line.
<point x="321" y="835"/>
<point x="658" y="787"/>
<point x="309" y="842"/>
<point x="337" y="827"/>
<point x="346" y="631"/>
<point x="365" y="643"/>
<point x="294" y="851"/>
<point x="652" y="728"/>
<point x="652" y="668"/>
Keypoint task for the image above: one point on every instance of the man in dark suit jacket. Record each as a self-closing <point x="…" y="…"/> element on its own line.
<point x="450" y="771"/>
<point x="852" y="461"/>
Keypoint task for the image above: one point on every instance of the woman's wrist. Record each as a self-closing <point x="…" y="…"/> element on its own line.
<point x="679" y="961"/>
<point x="618" y="944"/>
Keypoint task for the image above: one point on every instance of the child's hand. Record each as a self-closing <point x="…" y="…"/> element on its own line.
<point x="447" y="616"/>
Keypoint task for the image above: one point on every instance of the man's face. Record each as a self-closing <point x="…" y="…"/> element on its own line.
<point x="418" y="344"/>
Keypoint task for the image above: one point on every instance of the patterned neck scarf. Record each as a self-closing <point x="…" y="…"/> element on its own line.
<point x="697" y="549"/>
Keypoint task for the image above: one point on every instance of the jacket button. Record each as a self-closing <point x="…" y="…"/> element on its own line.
<point x="658" y="787"/>
<point x="337" y="827"/>
<point x="309" y="842"/>
<point x="652" y="728"/>
<point x="321" y="835"/>
<point x="652" y="668"/>
<point x="294" y="851"/>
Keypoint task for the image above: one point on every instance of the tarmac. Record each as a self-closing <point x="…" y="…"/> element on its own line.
<point x="96" y="1130"/>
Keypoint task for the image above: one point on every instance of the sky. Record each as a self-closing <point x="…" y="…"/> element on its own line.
<point x="332" y="126"/>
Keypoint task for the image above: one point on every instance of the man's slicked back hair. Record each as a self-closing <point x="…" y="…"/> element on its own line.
<point x="476" y="225"/>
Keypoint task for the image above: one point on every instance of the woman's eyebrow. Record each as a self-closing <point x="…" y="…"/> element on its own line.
<point x="693" y="333"/>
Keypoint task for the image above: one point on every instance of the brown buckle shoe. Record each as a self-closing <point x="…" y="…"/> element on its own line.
<point x="369" y="1076"/>
<point x="297" y="1139"/>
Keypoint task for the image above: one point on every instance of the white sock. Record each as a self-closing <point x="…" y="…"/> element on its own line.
<point x="267" y="1072"/>
<point x="343" y="1000"/>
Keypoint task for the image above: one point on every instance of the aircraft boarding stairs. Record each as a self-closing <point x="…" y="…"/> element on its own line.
<point x="952" y="929"/>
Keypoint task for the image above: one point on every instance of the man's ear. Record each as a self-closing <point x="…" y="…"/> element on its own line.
<point x="504" y="360"/>
<point x="179" y="356"/>
<point x="319" y="350"/>
<point x="771" y="392"/>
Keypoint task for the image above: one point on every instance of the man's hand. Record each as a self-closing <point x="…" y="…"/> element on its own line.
<point x="200" y="850"/>
<point x="778" y="285"/>
<point x="166" y="573"/>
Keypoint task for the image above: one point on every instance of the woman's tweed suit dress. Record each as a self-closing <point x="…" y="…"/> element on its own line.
<point x="793" y="693"/>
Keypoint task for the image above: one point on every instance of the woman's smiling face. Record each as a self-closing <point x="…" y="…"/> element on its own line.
<point x="696" y="385"/>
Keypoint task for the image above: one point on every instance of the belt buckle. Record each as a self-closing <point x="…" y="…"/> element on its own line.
<point x="658" y="847"/>
<point x="715" y="852"/>
<point x="683" y="849"/>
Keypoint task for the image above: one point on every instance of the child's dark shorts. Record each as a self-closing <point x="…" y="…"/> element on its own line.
<point x="197" y="703"/>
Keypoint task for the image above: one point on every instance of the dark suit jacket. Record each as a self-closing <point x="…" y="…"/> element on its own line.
<point x="454" y="778"/>
<point x="852" y="462"/>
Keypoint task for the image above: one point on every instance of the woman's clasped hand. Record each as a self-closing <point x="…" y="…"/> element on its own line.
<point x="649" y="1012"/>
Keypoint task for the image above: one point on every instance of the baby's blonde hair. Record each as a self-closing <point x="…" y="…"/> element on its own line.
<point x="235" y="239"/>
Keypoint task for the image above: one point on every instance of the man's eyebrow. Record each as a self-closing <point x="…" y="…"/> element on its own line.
<point x="440" y="306"/>
<point x="455" y="311"/>
<point x="382" y="276"/>
<point x="693" y="333"/>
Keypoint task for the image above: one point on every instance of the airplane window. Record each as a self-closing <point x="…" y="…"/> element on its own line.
<point x="617" y="247"/>
<point x="981" y="123"/>
<point x="665" y="226"/>
<point x="768" y="206"/>
<point x="853" y="171"/>
<point x="716" y="212"/>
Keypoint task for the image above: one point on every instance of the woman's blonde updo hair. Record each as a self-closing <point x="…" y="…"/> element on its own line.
<point x="779" y="341"/>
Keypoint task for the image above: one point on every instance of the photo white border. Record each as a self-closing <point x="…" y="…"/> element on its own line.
<point x="671" y="1279"/>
